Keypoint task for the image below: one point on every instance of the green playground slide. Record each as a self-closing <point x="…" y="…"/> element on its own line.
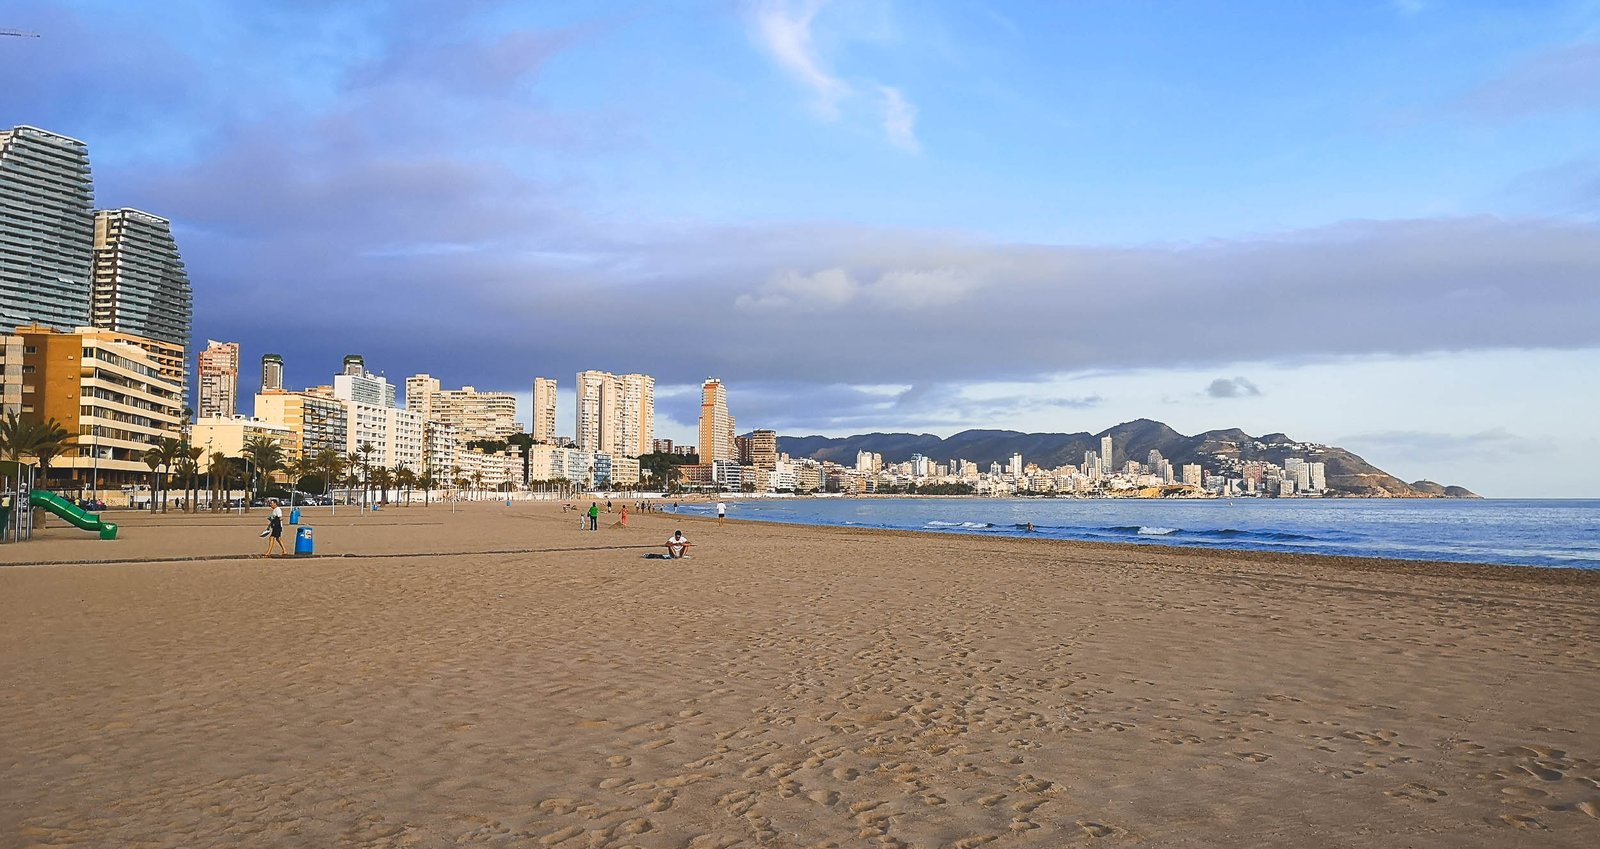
<point x="69" y="511"/>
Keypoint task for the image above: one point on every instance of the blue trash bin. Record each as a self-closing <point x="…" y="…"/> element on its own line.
<point x="302" y="541"/>
<point x="294" y="515"/>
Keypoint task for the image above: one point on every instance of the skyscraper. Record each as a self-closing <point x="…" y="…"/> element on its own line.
<point x="1107" y="465"/>
<point x="140" y="285"/>
<point x="420" y="389"/>
<point x="716" y="424"/>
<point x="594" y="420"/>
<point x="271" y="372"/>
<point x="46" y="229"/>
<point x="361" y="386"/>
<point x="615" y="413"/>
<point x="544" y="409"/>
<point x="219" y="380"/>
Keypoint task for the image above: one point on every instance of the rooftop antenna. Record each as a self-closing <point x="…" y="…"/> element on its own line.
<point x="19" y="33"/>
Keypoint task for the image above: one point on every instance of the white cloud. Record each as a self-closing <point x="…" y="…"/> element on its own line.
<point x="832" y="287"/>
<point x="783" y="29"/>
<point x="899" y="120"/>
<point x="785" y="32"/>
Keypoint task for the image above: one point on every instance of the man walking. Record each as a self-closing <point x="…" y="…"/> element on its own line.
<point x="722" y="512"/>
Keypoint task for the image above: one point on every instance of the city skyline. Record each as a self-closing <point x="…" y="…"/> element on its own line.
<point x="1376" y="227"/>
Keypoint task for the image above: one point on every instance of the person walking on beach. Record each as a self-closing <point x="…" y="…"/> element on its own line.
<point x="722" y="512"/>
<point x="594" y="516"/>
<point x="275" y="529"/>
<point x="624" y="515"/>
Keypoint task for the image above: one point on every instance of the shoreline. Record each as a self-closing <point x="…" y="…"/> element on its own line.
<point x="394" y="516"/>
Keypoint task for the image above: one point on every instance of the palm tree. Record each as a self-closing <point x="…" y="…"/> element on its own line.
<point x="426" y="481"/>
<point x="366" y="450"/>
<point x="219" y="467"/>
<point x="192" y="455"/>
<point x="331" y="464"/>
<point x="381" y="479"/>
<point x="171" y="451"/>
<point x="42" y="441"/>
<point x="457" y="480"/>
<point x="49" y="441"/>
<point x="266" y="455"/>
<point x="477" y="481"/>
<point x="152" y="458"/>
<point x="404" y="477"/>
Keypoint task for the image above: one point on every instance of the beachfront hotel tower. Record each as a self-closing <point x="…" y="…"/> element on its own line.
<point x="615" y="413"/>
<point x="543" y="421"/>
<point x="46" y="230"/>
<point x="219" y="380"/>
<point x="140" y="285"/>
<point x="716" y="424"/>
<point x="271" y="372"/>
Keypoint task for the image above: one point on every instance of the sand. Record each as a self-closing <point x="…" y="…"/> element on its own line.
<point x="497" y="677"/>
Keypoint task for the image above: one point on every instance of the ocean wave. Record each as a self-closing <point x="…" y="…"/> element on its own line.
<point x="1210" y="533"/>
<point x="971" y="526"/>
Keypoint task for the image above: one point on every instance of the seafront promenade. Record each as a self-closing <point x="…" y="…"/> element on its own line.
<point x="497" y="677"/>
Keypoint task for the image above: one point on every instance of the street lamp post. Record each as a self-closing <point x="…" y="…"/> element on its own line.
<point x="94" y="482"/>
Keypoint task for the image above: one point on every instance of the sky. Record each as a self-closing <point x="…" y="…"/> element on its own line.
<point x="1370" y="223"/>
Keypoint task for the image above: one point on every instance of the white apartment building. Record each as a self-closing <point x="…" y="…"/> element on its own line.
<point x="615" y="413"/>
<point x="362" y="387"/>
<point x="396" y="435"/>
<point x="543" y="422"/>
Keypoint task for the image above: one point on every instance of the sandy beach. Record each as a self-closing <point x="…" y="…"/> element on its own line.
<point x="497" y="677"/>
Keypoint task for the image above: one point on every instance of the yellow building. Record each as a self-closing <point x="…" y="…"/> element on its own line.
<point x="106" y="388"/>
<point x="318" y="421"/>
<point x="229" y="436"/>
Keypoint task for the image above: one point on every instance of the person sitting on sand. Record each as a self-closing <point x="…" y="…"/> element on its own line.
<point x="677" y="545"/>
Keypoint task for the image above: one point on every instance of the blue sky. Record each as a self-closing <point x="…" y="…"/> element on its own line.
<point x="890" y="215"/>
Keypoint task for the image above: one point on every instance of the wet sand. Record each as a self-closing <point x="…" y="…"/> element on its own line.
<point x="497" y="677"/>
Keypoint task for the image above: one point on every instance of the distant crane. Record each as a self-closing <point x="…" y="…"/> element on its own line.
<point x="19" y="33"/>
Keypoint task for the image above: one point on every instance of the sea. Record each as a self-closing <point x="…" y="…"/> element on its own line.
<point x="1534" y="532"/>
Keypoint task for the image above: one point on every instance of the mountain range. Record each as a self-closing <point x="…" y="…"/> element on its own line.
<point x="1347" y="473"/>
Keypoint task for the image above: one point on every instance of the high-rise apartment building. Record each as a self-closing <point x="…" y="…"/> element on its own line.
<point x="104" y="389"/>
<point x="1107" y="465"/>
<point x="219" y="380"/>
<point x="543" y="420"/>
<point x="615" y="413"/>
<point x="636" y="414"/>
<point x="46" y="230"/>
<point x="420" y="389"/>
<point x="271" y="373"/>
<point x="1191" y="474"/>
<point x="140" y="285"/>
<point x="357" y="385"/>
<point x="761" y="449"/>
<point x="595" y="421"/>
<point x="476" y="415"/>
<point x="716" y="424"/>
<point x="10" y="374"/>
<point x="320" y="422"/>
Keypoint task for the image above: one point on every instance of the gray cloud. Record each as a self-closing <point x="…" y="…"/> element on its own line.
<point x="1565" y="78"/>
<point x="1237" y="387"/>
<point x="1489" y="446"/>
<point x="387" y="220"/>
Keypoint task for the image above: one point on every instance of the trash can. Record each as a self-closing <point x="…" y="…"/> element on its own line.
<point x="302" y="541"/>
<point x="294" y="515"/>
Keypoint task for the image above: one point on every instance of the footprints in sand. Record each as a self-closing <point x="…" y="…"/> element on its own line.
<point x="1416" y="792"/>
